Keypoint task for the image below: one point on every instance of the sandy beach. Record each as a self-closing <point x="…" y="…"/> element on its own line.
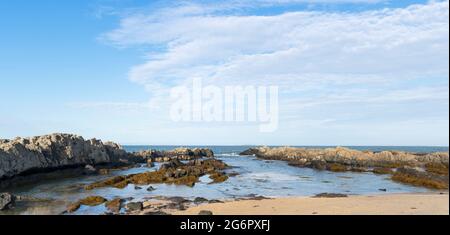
<point x="390" y="204"/>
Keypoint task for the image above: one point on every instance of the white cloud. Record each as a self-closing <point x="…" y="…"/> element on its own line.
<point x="385" y="43"/>
<point x="355" y="64"/>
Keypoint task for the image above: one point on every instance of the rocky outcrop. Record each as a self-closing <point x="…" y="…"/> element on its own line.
<point x="419" y="177"/>
<point x="174" y="172"/>
<point x="23" y="156"/>
<point x="6" y="201"/>
<point x="427" y="170"/>
<point x="45" y="153"/>
<point x="115" y="205"/>
<point x="178" y="154"/>
<point x="347" y="157"/>
<point x="88" y="201"/>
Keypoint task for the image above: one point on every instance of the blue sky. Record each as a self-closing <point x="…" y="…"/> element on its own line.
<point x="351" y="72"/>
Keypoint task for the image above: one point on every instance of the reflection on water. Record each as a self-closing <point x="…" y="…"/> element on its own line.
<point x="255" y="177"/>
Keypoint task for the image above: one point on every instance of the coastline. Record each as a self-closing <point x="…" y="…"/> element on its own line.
<point x="386" y="204"/>
<point x="27" y="161"/>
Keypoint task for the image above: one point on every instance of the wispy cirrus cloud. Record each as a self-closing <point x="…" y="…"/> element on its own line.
<point x="376" y="59"/>
<point x="387" y="43"/>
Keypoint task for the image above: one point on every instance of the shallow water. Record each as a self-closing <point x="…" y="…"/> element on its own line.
<point x="255" y="177"/>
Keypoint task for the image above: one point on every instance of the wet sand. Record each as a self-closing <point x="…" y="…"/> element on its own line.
<point x="389" y="204"/>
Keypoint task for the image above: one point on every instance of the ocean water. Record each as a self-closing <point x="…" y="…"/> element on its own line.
<point x="255" y="177"/>
<point x="238" y="149"/>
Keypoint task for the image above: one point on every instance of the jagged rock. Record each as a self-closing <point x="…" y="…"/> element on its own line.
<point x="175" y="206"/>
<point x="88" y="201"/>
<point x="92" y="201"/>
<point x="345" y="157"/>
<point x="199" y="200"/>
<point x="56" y="151"/>
<point x="215" y="201"/>
<point x="250" y="152"/>
<point x="419" y="177"/>
<point x="174" y="172"/>
<point x="73" y="207"/>
<point x="114" y="205"/>
<point x="218" y="177"/>
<point x="7" y="200"/>
<point x="178" y="200"/>
<point x="184" y="154"/>
<point x="135" y="206"/>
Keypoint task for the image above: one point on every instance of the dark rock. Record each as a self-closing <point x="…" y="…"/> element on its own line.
<point x="318" y="165"/>
<point x="420" y="177"/>
<point x="73" y="207"/>
<point x="7" y="200"/>
<point x="382" y="190"/>
<point x="150" y="163"/>
<point x="176" y="206"/>
<point x="150" y="189"/>
<point x="215" y="201"/>
<point x="156" y="213"/>
<point x="174" y="163"/>
<point x="114" y="205"/>
<point x="259" y="198"/>
<point x="179" y="200"/>
<point x="137" y="188"/>
<point x="382" y="171"/>
<point x="174" y="172"/>
<point x="233" y="174"/>
<point x="135" y="206"/>
<point x="249" y="152"/>
<point x="218" y="177"/>
<point x="330" y="195"/>
<point x="179" y="153"/>
<point x="199" y="200"/>
<point x="203" y="212"/>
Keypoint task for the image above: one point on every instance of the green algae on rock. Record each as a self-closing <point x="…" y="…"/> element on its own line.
<point x="173" y="172"/>
<point x="218" y="177"/>
<point x="88" y="201"/>
<point x="418" y="177"/>
<point x="382" y="171"/>
<point x="436" y="168"/>
<point x="432" y="173"/>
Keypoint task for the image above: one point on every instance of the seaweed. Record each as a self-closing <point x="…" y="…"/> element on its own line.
<point x="437" y="168"/>
<point x="382" y="171"/>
